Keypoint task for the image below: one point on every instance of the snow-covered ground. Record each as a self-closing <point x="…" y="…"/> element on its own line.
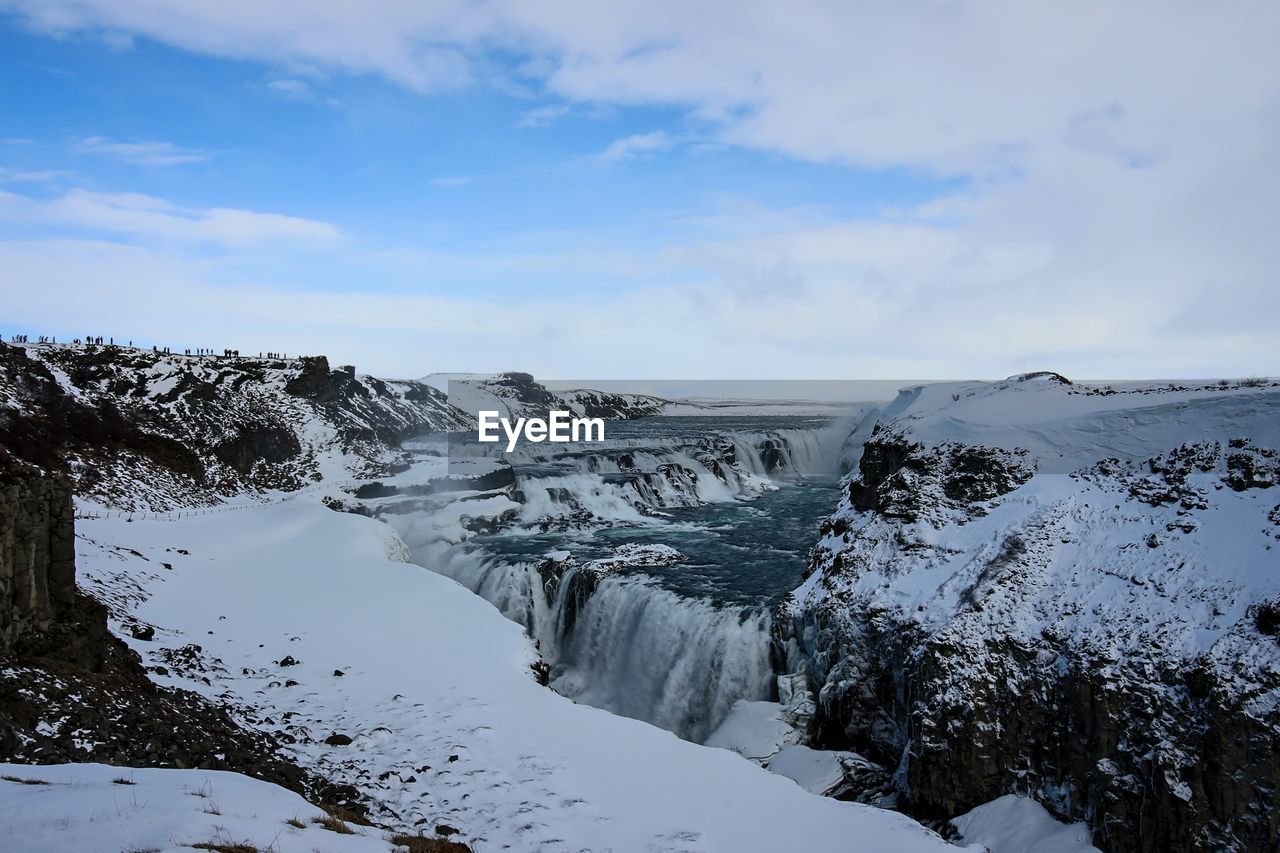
<point x="313" y="618"/>
<point x="96" y="808"/>
<point x="1013" y="824"/>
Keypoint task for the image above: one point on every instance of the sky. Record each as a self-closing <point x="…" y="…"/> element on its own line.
<point x="626" y="190"/>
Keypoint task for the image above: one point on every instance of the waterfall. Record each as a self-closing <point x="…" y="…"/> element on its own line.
<point x="620" y="641"/>
<point x="624" y="644"/>
<point x="627" y="481"/>
<point x="680" y="663"/>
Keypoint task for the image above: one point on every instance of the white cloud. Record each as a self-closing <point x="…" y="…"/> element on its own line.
<point x="632" y="146"/>
<point x="299" y="89"/>
<point x="1119" y="165"/>
<point x="296" y="89"/>
<point x="156" y="220"/>
<point x="415" y="44"/>
<point x="786" y="295"/>
<point x="37" y="176"/>
<point x="120" y="42"/>
<point x="938" y="85"/>
<point x="542" y="116"/>
<point x="450" y="181"/>
<point x="143" y="153"/>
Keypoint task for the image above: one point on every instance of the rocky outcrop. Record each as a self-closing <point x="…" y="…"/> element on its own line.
<point x="47" y="425"/>
<point x="315" y="381"/>
<point x="37" y="552"/>
<point x="1175" y="759"/>
<point x="601" y="404"/>
<point x="570" y="582"/>
<point x="905" y="481"/>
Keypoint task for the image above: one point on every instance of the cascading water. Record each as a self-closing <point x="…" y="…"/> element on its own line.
<point x="627" y="644"/>
<point x="676" y="645"/>
<point x="679" y="663"/>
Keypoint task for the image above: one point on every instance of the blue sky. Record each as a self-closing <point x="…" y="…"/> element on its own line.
<point x="463" y="168"/>
<point x="421" y="187"/>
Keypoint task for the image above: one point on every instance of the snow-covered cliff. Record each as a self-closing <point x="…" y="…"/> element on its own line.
<point x="517" y="395"/>
<point x="147" y="430"/>
<point x="1040" y="587"/>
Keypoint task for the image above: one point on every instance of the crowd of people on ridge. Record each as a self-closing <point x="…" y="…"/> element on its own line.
<point x="106" y="340"/>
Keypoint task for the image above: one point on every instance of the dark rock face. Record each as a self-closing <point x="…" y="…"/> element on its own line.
<point x="965" y="725"/>
<point x="903" y="481"/>
<point x="37" y="552"/>
<point x="773" y="455"/>
<point x="256" y="443"/>
<point x="317" y="382"/>
<point x="1157" y="753"/>
<point x="601" y="404"/>
<point x="502" y="478"/>
<point x="527" y="390"/>
<point x="1252" y="467"/>
<point x="568" y="580"/>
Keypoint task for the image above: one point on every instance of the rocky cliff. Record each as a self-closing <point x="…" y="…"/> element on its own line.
<point x="37" y="552"/>
<point x="137" y="429"/>
<point x="1061" y="591"/>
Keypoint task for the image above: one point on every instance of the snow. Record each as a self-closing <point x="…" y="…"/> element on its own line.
<point x="1013" y="824"/>
<point x="1092" y="565"/>
<point x="815" y="770"/>
<point x="1065" y="427"/>
<point x="87" y="808"/>
<point x="754" y="730"/>
<point x="448" y="722"/>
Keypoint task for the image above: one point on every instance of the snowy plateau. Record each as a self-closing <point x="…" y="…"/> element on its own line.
<point x="247" y="604"/>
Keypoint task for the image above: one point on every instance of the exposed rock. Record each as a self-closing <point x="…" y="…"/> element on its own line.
<point x="317" y="382"/>
<point x="1252" y="468"/>
<point x="562" y="571"/>
<point x="37" y="552"/>
<point x="903" y="480"/>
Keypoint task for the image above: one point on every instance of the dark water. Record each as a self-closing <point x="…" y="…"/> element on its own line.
<point x="740" y="553"/>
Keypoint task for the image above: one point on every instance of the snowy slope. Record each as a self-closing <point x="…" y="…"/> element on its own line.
<point x="96" y="808"/>
<point x="1014" y="824"/>
<point x="436" y="693"/>
<point x="1039" y="587"/>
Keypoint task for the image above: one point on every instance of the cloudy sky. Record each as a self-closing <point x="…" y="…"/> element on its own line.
<point x="651" y="189"/>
